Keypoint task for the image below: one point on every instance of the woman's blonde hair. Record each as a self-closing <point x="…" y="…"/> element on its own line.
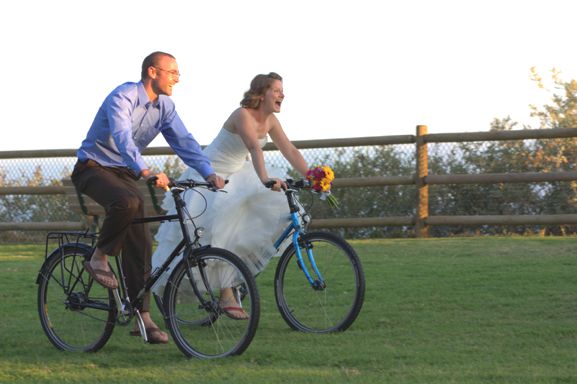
<point x="258" y="87"/>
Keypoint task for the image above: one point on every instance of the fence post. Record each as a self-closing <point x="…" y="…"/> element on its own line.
<point x="421" y="227"/>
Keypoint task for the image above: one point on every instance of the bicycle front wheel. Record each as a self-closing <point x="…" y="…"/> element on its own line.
<point x="200" y="324"/>
<point x="334" y="300"/>
<point x="76" y="313"/>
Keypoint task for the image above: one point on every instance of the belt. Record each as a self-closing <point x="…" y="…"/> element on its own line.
<point x="89" y="162"/>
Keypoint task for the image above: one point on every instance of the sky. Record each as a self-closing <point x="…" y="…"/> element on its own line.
<point x="351" y="68"/>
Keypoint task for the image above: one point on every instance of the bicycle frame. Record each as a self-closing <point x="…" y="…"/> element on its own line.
<point x="120" y="295"/>
<point x="187" y="243"/>
<point x="296" y="229"/>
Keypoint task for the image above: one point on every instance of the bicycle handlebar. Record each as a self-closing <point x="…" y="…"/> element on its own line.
<point x="187" y="184"/>
<point x="292" y="184"/>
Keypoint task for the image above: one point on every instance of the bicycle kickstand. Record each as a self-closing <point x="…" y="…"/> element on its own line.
<point x="141" y="326"/>
<point x="124" y="314"/>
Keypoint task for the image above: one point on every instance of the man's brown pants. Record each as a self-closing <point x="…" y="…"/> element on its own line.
<point x="115" y="189"/>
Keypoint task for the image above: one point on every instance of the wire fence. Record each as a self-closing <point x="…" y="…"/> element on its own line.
<point x="32" y="171"/>
<point x="395" y="158"/>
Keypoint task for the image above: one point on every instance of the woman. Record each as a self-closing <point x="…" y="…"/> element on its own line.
<point x="248" y="218"/>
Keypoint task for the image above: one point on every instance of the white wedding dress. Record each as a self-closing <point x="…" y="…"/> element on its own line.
<point x="245" y="220"/>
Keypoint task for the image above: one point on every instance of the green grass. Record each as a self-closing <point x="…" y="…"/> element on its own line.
<point x="462" y="310"/>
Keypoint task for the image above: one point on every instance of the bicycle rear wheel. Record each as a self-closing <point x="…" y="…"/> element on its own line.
<point x="76" y="313"/>
<point x="317" y="308"/>
<point x="196" y="321"/>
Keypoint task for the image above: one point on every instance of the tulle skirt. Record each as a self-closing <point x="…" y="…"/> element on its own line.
<point x="245" y="220"/>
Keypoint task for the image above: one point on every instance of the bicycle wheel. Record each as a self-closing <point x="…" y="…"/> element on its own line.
<point x="76" y="313"/>
<point x="320" y="309"/>
<point x="195" y="319"/>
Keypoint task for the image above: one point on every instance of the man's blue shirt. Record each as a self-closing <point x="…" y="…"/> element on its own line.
<point x="128" y="121"/>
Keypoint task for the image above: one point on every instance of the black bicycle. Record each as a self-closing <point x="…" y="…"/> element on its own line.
<point x="78" y="314"/>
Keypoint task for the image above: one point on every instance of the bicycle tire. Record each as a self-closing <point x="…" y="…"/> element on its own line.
<point x="194" y="318"/>
<point x="333" y="308"/>
<point x="76" y="313"/>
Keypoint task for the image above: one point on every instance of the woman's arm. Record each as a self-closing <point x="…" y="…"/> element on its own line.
<point x="245" y="126"/>
<point x="287" y="148"/>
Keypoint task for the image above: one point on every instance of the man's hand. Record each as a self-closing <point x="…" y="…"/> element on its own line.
<point x="216" y="181"/>
<point x="161" y="178"/>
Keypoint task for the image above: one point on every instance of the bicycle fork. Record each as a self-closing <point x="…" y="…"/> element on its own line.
<point x="295" y="227"/>
<point x="318" y="284"/>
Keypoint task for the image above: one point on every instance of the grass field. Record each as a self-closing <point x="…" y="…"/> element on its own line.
<point x="462" y="310"/>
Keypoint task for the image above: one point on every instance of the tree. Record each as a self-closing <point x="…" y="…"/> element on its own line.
<point x="548" y="155"/>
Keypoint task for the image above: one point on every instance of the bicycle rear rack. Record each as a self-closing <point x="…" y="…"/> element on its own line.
<point x="59" y="238"/>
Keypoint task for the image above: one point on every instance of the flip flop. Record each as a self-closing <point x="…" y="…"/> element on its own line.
<point x="150" y="332"/>
<point x="99" y="276"/>
<point x="232" y="311"/>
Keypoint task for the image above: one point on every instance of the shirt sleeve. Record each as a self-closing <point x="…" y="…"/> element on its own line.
<point x="185" y="145"/>
<point x="119" y="112"/>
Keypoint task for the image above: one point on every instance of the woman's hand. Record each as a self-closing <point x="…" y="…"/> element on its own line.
<point x="216" y="181"/>
<point x="275" y="184"/>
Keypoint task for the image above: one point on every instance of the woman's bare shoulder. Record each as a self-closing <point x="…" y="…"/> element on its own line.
<point x="240" y="115"/>
<point x="239" y="118"/>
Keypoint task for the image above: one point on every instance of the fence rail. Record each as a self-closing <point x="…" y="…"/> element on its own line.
<point x="421" y="179"/>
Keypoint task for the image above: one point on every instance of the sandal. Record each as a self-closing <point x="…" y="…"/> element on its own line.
<point x="234" y="312"/>
<point x="104" y="278"/>
<point x="153" y="334"/>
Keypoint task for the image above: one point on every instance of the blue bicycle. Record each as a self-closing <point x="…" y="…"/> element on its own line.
<point x="319" y="280"/>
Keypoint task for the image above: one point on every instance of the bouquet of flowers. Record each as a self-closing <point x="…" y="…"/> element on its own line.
<point x="321" y="179"/>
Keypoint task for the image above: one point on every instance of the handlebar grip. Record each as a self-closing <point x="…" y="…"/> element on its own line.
<point x="270" y="183"/>
<point x="152" y="180"/>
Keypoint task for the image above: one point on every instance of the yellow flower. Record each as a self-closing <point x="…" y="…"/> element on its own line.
<point x="325" y="185"/>
<point x="329" y="174"/>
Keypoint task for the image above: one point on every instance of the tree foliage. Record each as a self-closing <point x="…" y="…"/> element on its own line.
<point x="514" y="156"/>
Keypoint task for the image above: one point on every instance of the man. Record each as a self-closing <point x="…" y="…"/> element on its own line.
<point x="110" y="162"/>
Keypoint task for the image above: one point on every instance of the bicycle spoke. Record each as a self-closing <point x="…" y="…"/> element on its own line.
<point x="198" y="325"/>
<point x="331" y="308"/>
<point x="75" y="315"/>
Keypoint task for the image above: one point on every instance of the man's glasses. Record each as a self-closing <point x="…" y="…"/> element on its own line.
<point x="172" y="73"/>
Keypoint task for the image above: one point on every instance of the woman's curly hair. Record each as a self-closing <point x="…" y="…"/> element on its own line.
<point x="258" y="87"/>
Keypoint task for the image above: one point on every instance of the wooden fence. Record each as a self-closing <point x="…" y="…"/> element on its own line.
<point x="421" y="179"/>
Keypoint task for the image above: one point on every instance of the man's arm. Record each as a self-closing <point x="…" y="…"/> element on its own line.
<point x="188" y="149"/>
